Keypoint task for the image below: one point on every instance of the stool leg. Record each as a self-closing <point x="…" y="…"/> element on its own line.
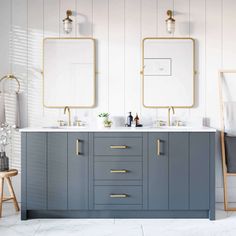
<point x="1" y="196"/>
<point x="11" y="190"/>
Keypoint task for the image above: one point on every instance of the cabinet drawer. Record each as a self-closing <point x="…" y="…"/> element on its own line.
<point x="118" y="171"/>
<point x="118" y="195"/>
<point x="118" y="146"/>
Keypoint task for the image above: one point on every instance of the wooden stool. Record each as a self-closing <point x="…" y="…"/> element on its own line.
<point x="6" y="175"/>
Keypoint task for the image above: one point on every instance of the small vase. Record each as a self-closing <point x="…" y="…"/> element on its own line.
<point x="4" y="162"/>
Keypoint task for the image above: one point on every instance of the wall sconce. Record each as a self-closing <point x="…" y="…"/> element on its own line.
<point x="67" y="22"/>
<point x="170" y="22"/>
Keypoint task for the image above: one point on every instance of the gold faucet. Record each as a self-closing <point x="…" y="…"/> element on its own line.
<point x="169" y="109"/>
<point x="69" y="114"/>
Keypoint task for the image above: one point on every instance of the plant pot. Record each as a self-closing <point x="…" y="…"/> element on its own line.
<point x="4" y="162"/>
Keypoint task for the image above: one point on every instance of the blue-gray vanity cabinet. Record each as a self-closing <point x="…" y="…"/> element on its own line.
<point x="57" y="171"/>
<point x="78" y="160"/>
<point x="158" y="171"/>
<point x="178" y="171"/>
<point x="34" y="169"/>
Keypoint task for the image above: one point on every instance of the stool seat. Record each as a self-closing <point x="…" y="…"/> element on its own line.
<point x="6" y="175"/>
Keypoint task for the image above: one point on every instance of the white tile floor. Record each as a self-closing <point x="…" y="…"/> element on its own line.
<point x="11" y="225"/>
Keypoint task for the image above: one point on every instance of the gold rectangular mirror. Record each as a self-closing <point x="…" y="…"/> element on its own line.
<point x="168" y="72"/>
<point x="69" y="72"/>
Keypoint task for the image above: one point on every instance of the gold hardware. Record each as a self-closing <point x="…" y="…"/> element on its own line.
<point x="118" y="171"/>
<point x="61" y="122"/>
<point x="160" y="123"/>
<point x="118" y="195"/>
<point x="94" y="69"/>
<point x="118" y="147"/>
<point x="11" y="77"/>
<point x="169" y="109"/>
<point x="69" y="114"/>
<point x="193" y="70"/>
<point x="158" y="147"/>
<point x="77" y="147"/>
<point x="78" y="122"/>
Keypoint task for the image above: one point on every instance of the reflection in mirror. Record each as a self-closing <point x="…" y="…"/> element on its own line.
<point x="69" y="72"/>
<point x="168" y="72"/>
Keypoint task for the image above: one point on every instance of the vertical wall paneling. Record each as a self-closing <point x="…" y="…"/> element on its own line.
<point x="51" y="27"/>
<point x="132" y="56"/>
<point x="100" y="33"/>
<point x="35" y="38"/>
<point x="213" y="64"/>
<point x="197" y="31"/>
<point x="5" y="11"/>
<point x="84" y="28"/>
<point x="84" y="18"/>
<point x="116" y="57"/>
<point x="148" y="28"/>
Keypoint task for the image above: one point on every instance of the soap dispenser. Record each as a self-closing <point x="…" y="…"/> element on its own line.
<point x="129" y="120"/>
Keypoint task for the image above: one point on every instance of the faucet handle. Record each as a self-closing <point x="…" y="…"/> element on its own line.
<point x="179" y="123"/>
<point x="78" y="123"/>
<point x="160" y="123"/>
<point x="61" y="122"/>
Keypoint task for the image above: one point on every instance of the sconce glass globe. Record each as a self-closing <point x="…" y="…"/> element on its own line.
<point x="67" y="22"/>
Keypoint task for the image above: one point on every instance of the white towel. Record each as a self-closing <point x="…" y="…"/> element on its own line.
<point x="2" y="109"/>
<point x="12" y="109"/>
<point x="230" y="118"/>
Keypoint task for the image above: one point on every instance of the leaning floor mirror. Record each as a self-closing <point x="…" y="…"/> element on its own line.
<point x="168" y="72"/>
<point x="69" y="72"/>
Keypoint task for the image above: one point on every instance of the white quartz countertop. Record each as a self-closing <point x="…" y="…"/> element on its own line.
<point x="119" y="129"/>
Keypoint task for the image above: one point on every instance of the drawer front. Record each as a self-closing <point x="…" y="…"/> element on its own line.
<point x="118" y="195"/>
<point x="118" y="146"/>
<point x="118" y="171"/>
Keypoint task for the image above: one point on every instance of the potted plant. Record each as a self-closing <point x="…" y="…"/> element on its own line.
<point x="5" y="136"/>
<point x="105" y="119"/>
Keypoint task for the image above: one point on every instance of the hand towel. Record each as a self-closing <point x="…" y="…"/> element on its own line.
<point x="2" y="108"/>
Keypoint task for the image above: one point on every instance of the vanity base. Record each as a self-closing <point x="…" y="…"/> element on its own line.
<point x="33" y="214"/>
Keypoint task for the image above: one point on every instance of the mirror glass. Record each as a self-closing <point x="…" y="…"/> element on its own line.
<point x="69" y="72"/>
<point x="168" y="72"/>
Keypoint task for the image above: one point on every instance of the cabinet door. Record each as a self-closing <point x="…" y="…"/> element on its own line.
<point x="199" y="170"/>
<point x="158" y="171"/>
<point x="78" y="171"/>
<point x="178" y="171"/>
<point x="57" y="171"/>
<point x="36" y="171"/>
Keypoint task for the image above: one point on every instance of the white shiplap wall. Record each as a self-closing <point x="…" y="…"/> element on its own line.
<point x="118" y="26"/>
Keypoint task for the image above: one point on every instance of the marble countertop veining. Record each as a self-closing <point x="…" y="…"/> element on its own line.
<point x="119" y="129"/>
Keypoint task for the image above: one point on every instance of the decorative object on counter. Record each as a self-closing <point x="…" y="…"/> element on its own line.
<point x="170" y="22"/>
<point x="129" y="119"/>
<point x="160" y="123"/>
<point x="7" y="99"/>
<point x="67" y="22"/>
<point x="5" y="136"/>
<point x="137" y="121"/>
<point x="228" y="128"/>
<point x="105" y="119"/>
<point x="7" y="175"/>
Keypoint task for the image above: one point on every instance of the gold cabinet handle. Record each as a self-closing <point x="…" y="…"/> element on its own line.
<point x="118" y="147"/>
<point x="118" y="195"/>
<point x="119" y="171"/>
<point x="77" y="149"/>
<point x="158" y="147"/>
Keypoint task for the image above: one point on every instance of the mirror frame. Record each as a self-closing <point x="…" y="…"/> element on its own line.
<point x="193" y="71"/>
<point x="94" y="76"/>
